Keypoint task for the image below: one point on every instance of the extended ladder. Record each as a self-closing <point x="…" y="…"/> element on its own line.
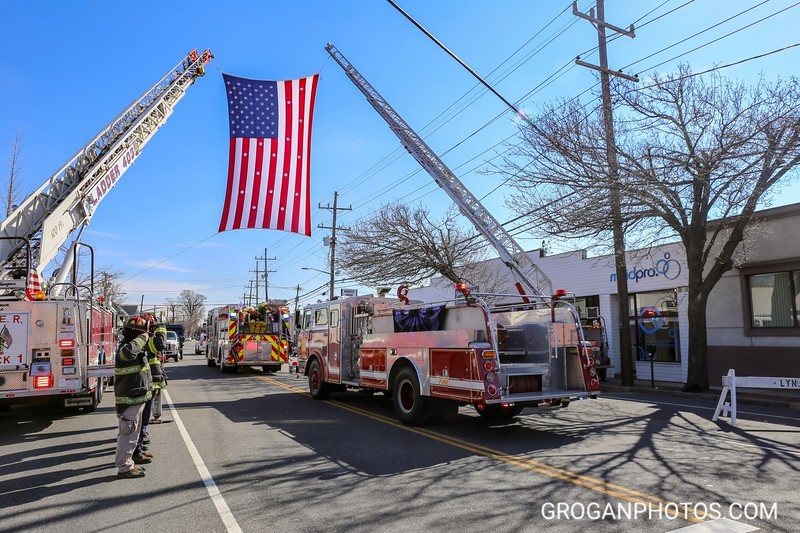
<point x="530" y="279"/>
<point x="33" y="233"/>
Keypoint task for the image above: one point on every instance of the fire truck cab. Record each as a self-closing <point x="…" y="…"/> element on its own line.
<point x="434" y="357"/>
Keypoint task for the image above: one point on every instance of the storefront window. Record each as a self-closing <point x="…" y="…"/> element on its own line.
<point x="774" y="299"/>
<point x="654" y="326"/>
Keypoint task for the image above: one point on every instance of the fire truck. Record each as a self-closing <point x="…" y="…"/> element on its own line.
<point x="59" y="345"/>
<point x="500" y="358"/>
<point x="241" y="336"/>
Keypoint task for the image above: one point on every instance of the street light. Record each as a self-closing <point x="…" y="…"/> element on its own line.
<point x="318" y="270"/>
<point x="330" y="296"/>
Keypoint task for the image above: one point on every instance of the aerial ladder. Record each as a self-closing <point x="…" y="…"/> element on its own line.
<point x="34" y="232"/>
<point x="530" y="280"/>
<point x="59" y="345"/>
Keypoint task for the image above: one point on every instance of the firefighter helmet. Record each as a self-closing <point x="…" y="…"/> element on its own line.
<point x="137" y="323"/>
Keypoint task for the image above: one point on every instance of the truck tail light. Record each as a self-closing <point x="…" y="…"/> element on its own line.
<point x="68" y="361"/>
<point x="43" y="382"/>
<point x="488" y="354"/>
<point x="66" y="343"/>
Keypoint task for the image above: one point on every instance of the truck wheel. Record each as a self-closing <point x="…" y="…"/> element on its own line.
<point x="409" y="404"/>
<point x="95" y="401"/>
<point x="316" y="386"/>
<point x="499" y="412"/>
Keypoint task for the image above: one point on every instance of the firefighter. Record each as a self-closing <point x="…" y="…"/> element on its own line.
<point x="155" y="344"/>
<point x="157" y="369"/>
<point x="154" y="347"/>
<point x="132" y="389"/>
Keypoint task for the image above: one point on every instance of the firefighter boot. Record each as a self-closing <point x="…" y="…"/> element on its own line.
<point x="141" y="459"/>
<point x="132" y="473"/>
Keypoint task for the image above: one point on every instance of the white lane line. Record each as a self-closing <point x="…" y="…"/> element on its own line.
<point x="224" y="511"/>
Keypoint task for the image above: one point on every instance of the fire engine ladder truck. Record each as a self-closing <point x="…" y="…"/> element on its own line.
<point x="34" y="232"/>
<point x="529" y="278"/>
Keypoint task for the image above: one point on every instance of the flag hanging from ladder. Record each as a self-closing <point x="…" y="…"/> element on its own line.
<point x="270" y="154"/>
<point x="34" y="285"/>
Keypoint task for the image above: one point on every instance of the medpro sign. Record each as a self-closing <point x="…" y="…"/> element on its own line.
<point x="664" y="267"/>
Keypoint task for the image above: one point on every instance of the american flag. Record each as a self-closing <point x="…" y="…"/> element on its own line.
<point x="34" y="285"/>
<point x="270" y="154"/>
<point x="5" y="337"/>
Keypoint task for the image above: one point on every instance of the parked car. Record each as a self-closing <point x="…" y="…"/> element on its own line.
<point x="200" y="347"/>
<point x="172" y="351"/>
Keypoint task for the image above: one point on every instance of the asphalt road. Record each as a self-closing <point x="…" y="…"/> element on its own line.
<point x="253" y="452"/>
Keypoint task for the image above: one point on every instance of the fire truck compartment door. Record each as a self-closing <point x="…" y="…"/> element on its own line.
<point x="256" y="351"/>
<point x="334" y="339"/>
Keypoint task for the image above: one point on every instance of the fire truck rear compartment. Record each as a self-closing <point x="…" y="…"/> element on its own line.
<point x="538" y="362"/>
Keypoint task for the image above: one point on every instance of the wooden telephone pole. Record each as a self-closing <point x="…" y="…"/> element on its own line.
<point x="620" y="263"/>
<point x="333" y="229"/>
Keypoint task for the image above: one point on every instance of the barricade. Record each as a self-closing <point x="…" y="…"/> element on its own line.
<point x="731" y="381"/>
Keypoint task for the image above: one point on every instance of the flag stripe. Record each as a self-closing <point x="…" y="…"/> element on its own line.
<point x="305" y="196"/>
<point x="295" y="200"/>
<point x="252" y="214"/>
<point x="227" y="206"/>
<point x="270" y="161"/>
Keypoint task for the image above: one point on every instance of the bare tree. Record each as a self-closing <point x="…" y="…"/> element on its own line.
<point x="12" y="185"/>
<point x="690" y="150"/>
<point x="173" y="310"/>
<point x="108" y="284"/>
<point x="403" y="244"/>
<point x="191" y="308"/>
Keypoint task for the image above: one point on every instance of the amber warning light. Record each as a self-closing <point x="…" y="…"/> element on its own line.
<point x="462" y="288"/>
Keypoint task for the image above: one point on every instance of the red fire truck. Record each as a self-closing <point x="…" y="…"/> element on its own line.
<point x="434" y="357"/>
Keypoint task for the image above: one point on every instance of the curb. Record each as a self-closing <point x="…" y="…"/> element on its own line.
<point x="763" y="401"/>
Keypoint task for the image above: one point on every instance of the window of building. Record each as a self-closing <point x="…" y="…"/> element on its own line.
<point x="655" y="330"/>
<point x="774" y="299"/>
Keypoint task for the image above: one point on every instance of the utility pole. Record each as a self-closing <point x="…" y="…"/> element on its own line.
<point x="256" y="280"/>
<point x="333" y="229"/>
<point x="266" y="274"/>
<point x="296" y="315"/>
<point x="105" y="286"/>
<point x="620" y="263"/>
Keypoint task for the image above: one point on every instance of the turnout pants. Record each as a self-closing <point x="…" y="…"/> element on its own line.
<point x="130" y="422"/>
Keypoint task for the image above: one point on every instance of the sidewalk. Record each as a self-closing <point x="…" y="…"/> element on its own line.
<point x="789" y="399"/>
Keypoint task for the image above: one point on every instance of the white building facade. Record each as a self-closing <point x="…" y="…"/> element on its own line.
<point x="752" y="314"/>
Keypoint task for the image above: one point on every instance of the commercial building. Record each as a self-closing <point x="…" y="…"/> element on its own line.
<point x="753" y="321"/>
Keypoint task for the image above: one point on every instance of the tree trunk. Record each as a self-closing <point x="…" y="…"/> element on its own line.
<point x="697" y="373"/>
<point x="697" y="376"/>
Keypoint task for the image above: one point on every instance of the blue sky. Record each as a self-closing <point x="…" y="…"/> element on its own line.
<point x="70" y="67"/>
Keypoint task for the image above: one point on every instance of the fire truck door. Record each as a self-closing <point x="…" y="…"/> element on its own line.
<point x="334" y="343"/>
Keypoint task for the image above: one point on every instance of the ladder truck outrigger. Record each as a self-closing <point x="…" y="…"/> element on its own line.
<point x="58" y="346"/>
<point x="433" y="357"/>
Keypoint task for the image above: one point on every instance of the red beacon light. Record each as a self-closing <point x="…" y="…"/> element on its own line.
<point x="462" y="288"/>
<point x="560" y="293"/>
